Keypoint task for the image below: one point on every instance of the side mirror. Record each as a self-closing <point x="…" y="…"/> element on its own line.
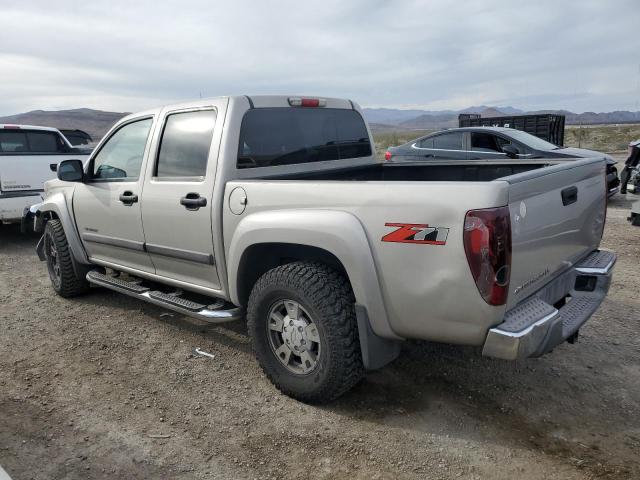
<point x="510" y="151"/>
<point x="70" y="171"/>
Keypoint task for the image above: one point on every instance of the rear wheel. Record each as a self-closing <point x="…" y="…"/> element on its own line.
<point x="67" y="281"/>
<point x="302" y="323"/>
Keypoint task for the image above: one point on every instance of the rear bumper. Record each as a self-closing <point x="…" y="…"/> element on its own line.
<point x="535" y="326"/>
<point x="12" y="206"/>
<point x="31" y="221"/>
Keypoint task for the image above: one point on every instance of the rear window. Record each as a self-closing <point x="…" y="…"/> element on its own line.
<point x="287" y="136"/>
<point x="30" y="141"/>
<point x="13" y="141"/>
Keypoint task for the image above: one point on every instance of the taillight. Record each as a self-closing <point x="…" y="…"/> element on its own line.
<point x="307" y="102"/>
<point x="387" y="155"/>
<point x="487" y="243"/>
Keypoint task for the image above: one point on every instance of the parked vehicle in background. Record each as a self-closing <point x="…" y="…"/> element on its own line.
<point x="494" y="144"/>
<point x="278" y="205"/>
<point x="548" y="126"/>
<point x="27" y="154"/>
<point x="629" y="178"/>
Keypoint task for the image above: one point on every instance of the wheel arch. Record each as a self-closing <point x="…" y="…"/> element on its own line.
<point x="57" y="206"/>
<point x="332" y="237"/>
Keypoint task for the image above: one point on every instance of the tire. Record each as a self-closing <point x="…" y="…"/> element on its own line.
<point x="326" y="305"/>
<point x="60" y="264"/>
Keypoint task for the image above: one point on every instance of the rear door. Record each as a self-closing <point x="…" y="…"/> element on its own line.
<point x="557" y="217"/>
<point x="449" y="146"/>
<point x="422" y="150"/>
<point x="177" y="202"/>
<point x="25" y="156"/>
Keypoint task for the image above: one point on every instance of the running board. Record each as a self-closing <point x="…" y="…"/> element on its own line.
<point x="214" y="313"/>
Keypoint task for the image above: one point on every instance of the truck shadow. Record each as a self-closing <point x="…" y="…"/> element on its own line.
<point x="553" y="404"/>
<point x="15" y="243"/>
<point x="233" y="334"/>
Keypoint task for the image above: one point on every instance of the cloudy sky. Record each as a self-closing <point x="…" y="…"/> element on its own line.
<point x="129" y="55"/>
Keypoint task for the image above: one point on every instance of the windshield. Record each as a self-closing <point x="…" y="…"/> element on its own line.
<point x="531" y="140"/>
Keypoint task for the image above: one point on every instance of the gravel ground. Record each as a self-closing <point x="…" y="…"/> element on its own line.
<point x="104" y="386"/>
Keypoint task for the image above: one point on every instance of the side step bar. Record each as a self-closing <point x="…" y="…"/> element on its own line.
<point x="214" y="313"/>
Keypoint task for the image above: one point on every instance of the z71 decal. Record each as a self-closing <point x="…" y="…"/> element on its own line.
<point x="416" y="233"/>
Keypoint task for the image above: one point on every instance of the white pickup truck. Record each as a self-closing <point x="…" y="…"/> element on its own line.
<point x="276" y="206"/>
<point x="28" y="156"/>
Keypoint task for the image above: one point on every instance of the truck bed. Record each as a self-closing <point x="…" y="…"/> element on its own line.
<point x="436" y="172"/>
<point x="428" y="289"/>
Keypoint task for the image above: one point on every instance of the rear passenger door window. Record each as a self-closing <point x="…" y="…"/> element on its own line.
<point x="448" y="141"/>
<point x="426" y="143"/>
<point x="185" y="143"/>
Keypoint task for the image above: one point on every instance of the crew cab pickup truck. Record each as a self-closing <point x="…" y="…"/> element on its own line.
<point x="276" y="208"/>
<point x="27" y="154"/>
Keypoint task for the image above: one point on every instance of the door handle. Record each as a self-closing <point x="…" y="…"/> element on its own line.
<point x="193" y="201"/>
<point x="569" y="195"/>
<point x="128" y="198"/>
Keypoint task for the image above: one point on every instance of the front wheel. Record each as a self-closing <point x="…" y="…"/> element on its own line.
<point x="67" y="281"/>
<point x="302" y="323"/>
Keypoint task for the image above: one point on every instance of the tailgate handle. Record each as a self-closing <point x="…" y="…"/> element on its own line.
<point x="569" y="195"/>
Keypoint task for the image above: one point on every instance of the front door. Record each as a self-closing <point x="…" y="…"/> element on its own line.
<point x="485" y="146"/>
<point x="107" y="204"/>
<point x="177" y="202"/>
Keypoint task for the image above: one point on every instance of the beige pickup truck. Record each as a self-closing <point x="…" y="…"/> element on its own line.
<point x="276" y="208"/>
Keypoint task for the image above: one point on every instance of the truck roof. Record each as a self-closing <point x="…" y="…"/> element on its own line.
<point x="483" y="128"/>
<point x="14" y="126"/>
<point x="255" y="101"/>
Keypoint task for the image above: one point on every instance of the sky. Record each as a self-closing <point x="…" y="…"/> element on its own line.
<point x="131" y="55"/>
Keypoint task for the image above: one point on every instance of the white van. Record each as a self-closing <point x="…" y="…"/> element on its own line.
<point x="29" y="156"/>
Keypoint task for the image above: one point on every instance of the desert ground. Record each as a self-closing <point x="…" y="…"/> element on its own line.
<point x="103" y="386"/>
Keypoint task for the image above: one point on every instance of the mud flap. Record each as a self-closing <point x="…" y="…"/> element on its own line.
<point x="40" y="249"/>
<point x="376" y="351"/>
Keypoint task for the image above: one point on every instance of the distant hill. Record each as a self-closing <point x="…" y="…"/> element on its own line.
<point x="95" y="122"/>
<point x="428" y="119"/>
<point x="431" y="121"/>
<point x="98" y="122"/>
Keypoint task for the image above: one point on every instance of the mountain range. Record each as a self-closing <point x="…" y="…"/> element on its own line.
<point x="95" y="122"/>
<point x="387" y="119"/>
<point x="98" y="122"/>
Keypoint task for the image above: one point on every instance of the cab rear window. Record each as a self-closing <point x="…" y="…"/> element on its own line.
<point x="30" y="141"/>
<point x="286" y="136"/>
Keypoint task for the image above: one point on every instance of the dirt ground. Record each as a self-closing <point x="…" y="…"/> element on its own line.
<point x="104" y="386"/>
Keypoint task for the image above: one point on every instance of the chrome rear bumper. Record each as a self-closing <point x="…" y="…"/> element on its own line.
<point x="535" y="326"/>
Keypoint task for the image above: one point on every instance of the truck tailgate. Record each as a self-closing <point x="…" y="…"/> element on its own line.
<point x="26" y="172"/>
<point x="557" y="217"/>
